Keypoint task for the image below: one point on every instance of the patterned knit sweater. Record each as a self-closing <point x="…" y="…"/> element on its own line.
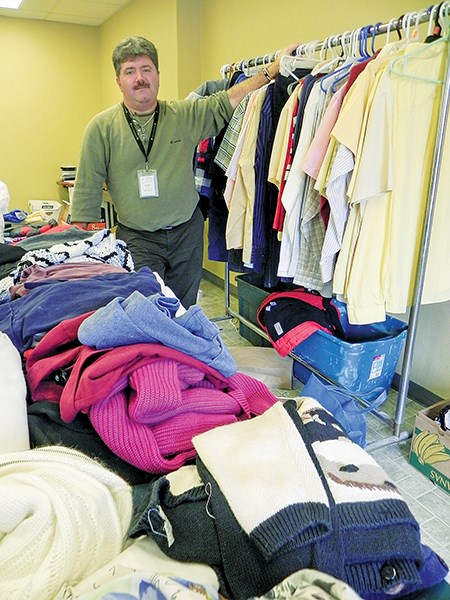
<point x="286" y="491"/>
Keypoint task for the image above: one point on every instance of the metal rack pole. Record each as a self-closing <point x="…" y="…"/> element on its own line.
<point x="424" y="247"/>
<point x="370" y="31"/>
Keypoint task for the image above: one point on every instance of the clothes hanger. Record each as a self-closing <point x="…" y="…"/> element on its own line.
<point x="434" y="27"/>
<point x="416" y="31"/>
<point x="412" y="34"/>
<point x="444" y="18"/>
<point x="406" y="23"/>
<point x="375" y="32"/>
<point x="399" y="25"/>
<point x="328" y="80"/>
<point x="251" y="69"/>
<point x="343" y="73"/>
<point x="369" y="30"/>
<point x="364" y="36"/>
<point x="350" y="57"/>
<point x="388" y="30"/>
<point x="398" y="66"/>
<point x="225" y="71"/>
<point x="301" y="60"/>
<point x="325" y="66"/>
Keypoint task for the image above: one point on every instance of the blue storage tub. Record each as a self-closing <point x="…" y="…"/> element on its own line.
<point x="364" y="362"/>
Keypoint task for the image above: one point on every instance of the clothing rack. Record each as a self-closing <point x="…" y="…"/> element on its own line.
<point x="439" y="11"/>
<point x="402" y="23"/>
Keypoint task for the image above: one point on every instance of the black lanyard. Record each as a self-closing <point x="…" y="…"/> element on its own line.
<point x="146" y="153"/>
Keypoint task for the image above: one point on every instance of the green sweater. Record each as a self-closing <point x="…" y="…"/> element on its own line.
<point x="110" y="154"/>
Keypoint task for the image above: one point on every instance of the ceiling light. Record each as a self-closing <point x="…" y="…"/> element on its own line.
<point x="10" y="3"/>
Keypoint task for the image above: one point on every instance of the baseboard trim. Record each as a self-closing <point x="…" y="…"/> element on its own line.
<point x="417" y="393"/>
<point x="216" y="280"/>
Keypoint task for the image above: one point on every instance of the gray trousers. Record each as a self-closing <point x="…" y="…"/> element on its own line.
<point x="175" y="254"/>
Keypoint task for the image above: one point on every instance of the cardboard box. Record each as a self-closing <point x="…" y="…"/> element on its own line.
<point x="108" y="217"/>
<point x="264" y="364"/>
<point x="50" y="208"/>
<point x="430" y="446"/>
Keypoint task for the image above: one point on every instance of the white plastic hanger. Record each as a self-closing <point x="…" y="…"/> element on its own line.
<point x="325" y="66"/>
<point x="444" y="18"/>
<point x="303" y="59"/>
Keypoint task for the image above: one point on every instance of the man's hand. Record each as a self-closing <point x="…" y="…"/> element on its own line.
<point x="268" y="72"/>
<point x="288" y="51"/>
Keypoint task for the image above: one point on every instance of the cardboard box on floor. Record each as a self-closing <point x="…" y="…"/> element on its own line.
<point x="264" y="364"/>
<point x="430" y="446"/>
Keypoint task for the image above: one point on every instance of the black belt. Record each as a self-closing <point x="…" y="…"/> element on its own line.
<point x="171" y="227"/>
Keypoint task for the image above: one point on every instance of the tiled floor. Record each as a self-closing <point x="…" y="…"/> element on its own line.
<point x="429" y="504"/>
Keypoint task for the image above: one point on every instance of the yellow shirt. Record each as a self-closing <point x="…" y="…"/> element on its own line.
<point x="239" y="229"/>
<point x="393" y="162"/>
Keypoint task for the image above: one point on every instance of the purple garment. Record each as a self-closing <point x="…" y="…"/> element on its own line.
<point x="26" y="319"/>
<point x="61" y="272"/>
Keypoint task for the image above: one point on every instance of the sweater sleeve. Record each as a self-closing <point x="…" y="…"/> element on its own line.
<point x="205" y="117"/>
<point x="91" y="172"/>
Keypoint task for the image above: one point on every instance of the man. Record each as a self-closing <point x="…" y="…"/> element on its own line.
<point x="143" y="149"/>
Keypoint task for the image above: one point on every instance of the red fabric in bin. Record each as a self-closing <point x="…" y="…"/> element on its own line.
<point x="290" y="317"/>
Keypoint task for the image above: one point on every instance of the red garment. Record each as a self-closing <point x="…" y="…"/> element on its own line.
<point x="146" y="401"/>
<point x="57" y="350"/>
<point x="280" y="211"/>
<point x="290" y="317"/>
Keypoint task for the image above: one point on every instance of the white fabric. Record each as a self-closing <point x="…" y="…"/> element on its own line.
<point x="294" y="191"/>
<point x="340" y="173"/>
<point x="13" y="405"/>
<point x="266" y="449"/>
<point x="142" y="556"/>
<point x="4" y="203"/>
<point x="62" y="516"/>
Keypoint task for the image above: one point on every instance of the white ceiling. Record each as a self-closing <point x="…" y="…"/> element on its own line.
<point x="81" y="12"/>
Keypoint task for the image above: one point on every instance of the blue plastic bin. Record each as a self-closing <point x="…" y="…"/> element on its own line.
<point x="367" y="360"/>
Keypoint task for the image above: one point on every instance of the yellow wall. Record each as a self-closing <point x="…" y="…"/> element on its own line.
<point x="189" y="45"/>
<point x="50" y="87"/>
<point x="173" y="26"/>
<point x="55" y="77"/>
<point x="234" y="30"/>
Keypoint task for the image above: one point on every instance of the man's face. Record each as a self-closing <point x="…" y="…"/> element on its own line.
<point x="138" y="81"/>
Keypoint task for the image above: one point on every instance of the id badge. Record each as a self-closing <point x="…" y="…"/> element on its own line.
<point x="148" y="183"/>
